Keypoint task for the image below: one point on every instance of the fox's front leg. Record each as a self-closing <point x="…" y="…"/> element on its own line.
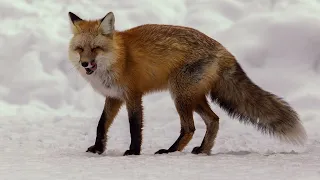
<point x="110" y="110"/>
<point x="135" y="114"/>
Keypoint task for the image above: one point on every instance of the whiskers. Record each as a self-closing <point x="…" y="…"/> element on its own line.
<point x="75" y="67"/>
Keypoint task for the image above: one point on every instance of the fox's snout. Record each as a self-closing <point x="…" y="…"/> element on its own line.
<point x="89" y="64"/>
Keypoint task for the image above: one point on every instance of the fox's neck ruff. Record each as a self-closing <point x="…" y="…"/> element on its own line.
<point x="103" y="81"/>
<point x="106" y="77"/>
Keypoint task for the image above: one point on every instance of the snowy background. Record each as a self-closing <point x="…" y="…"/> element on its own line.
<point x="48" y="114"/>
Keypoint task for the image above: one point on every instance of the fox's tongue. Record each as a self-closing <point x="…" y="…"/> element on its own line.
<point x="91" y="68"/>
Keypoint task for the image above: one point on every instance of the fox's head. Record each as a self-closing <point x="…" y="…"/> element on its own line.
<point x="91" y="46"/>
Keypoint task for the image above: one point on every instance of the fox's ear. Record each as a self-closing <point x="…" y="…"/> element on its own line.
<point x="73" y="19"/>
<point x="107" y="23"/>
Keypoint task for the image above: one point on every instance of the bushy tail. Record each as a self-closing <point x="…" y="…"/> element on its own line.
<point x="242" y="99"/>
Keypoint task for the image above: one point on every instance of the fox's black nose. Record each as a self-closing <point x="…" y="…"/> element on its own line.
<point x="87" y="64"/>
<point x="84" y="64"/>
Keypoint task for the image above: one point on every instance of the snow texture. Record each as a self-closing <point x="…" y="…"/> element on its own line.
<point x="48" y="113"/>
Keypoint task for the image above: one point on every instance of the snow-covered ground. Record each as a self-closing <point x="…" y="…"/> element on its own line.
<point x="48" y="114"/>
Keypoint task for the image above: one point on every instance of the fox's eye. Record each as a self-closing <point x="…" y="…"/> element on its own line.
<point x="78" y="48"/>
<point x="96" y="48"/>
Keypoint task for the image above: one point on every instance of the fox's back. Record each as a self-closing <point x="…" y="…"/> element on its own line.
<point x="158" y="51"/>
<point x="169" y="39"/>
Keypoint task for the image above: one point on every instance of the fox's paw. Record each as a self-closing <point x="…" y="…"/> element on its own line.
<point x="131" y="152"/>
<point x="199" y="150"/>
<point x="162" y="151"/>
<point x="96" y="149"/>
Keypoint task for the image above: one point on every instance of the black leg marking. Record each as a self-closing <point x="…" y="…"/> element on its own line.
<point x="136" y="122"/>
<point x="174" y="146"/>
<point x="99" y="145"/>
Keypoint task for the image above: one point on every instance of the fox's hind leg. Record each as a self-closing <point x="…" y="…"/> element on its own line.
<point x="186" y="86"/>
<point x="212" y="123"/>
<point x="184" y="108"/>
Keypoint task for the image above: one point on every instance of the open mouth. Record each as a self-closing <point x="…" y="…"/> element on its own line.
<point x="91" y="68"/>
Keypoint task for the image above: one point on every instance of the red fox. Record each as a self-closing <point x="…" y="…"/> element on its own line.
<point x="123" y="66"/>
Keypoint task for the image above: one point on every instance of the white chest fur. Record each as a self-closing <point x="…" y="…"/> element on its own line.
<point x="104" y="85"/>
